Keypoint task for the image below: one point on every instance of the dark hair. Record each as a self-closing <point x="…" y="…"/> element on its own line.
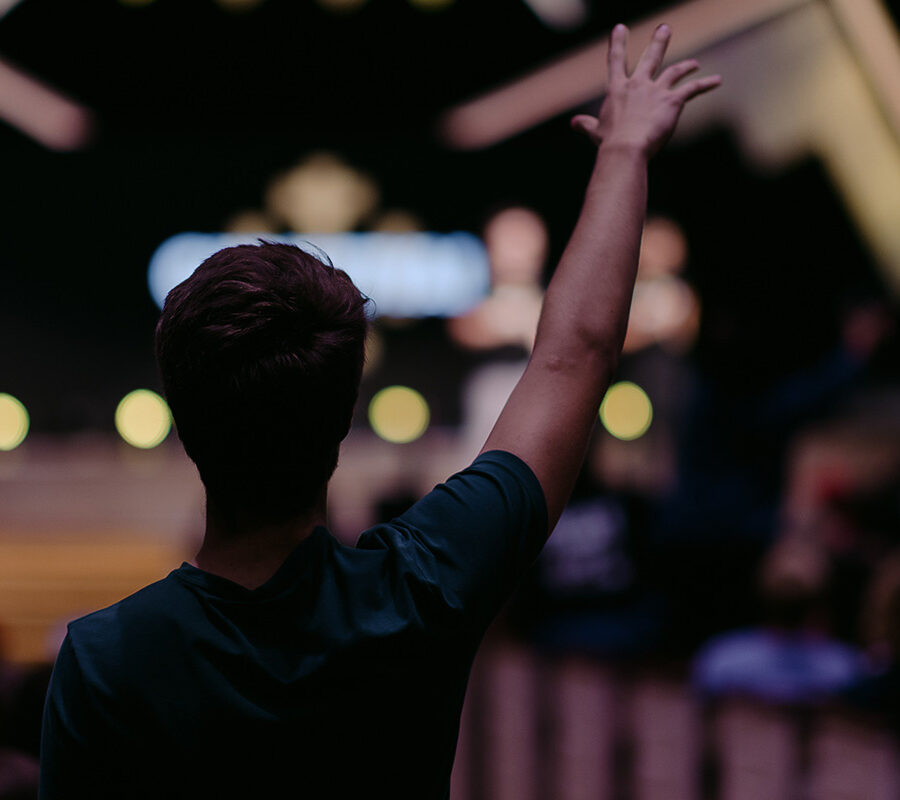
<point x="261" y="352"/>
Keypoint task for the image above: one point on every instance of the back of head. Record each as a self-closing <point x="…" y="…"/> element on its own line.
<point x="260" y="353"/>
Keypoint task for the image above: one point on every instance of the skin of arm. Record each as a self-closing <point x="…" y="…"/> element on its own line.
<point x="548" y="418"/>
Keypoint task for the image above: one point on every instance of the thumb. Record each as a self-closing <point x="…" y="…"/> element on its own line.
<point x="586" y="124"/>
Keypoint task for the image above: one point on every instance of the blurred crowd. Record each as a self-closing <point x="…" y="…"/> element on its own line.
<point x="750" y="539"/>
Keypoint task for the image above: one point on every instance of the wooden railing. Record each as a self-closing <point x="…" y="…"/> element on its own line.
<point x="573" y="729"/>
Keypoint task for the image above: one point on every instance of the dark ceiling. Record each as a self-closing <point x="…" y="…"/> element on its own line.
<point x="199" y="107"/>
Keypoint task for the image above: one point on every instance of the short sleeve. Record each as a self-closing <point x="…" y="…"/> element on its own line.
<point x="471" y="539"/>
<point x="66" y="752"/>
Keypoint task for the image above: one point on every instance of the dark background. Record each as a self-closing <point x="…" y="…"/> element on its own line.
<point x="199" y="107"/>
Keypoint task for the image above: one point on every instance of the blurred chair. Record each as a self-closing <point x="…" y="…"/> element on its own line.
<point x="583" y="719"/>
<point x="852" y="759"/>
<point x="758" y="751"/>
<point x="512" y="724"/>
<point x="467" y="765"/>
<point x="666" y="735"/>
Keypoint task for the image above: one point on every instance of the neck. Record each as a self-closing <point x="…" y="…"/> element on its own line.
<point x="249" y="552"/>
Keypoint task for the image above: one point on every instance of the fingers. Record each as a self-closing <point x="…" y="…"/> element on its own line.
<point x="674" y="73"/>
<point x="653" y="56"/>
<point x="699" y="86"/>
<point x="618" y="44"/>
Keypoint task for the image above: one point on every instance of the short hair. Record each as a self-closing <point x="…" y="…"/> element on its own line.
<point x="261" y="352"/>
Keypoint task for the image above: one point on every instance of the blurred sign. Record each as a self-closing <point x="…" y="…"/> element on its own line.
<point x="405" y="274"/>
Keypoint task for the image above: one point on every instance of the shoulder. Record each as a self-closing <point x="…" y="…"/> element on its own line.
<point x="496" y="497"/>
<point x="468" y="541"/>
<point x="502" y="468"/>
<point x="103" y="635"/>
<point x="503" y="481"/>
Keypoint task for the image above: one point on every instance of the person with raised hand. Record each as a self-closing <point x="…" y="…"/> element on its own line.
<point x="281" y="660"/>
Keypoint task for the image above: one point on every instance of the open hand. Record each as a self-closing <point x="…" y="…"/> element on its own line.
<point x="642" y="109"/>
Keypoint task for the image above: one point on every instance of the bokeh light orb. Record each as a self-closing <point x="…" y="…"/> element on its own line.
<point x="14" y="422"/>
<point x="143" y="419"/>
<point x="399" y="414"/>
<point x="322" y="194"/>
<point x="626" y="411"/>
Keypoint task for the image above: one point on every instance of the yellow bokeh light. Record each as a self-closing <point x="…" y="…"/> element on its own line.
<point x="143" y="419"/>
<point x="399" y="414"/>
<point x="626" y="411"/>
<point x="13" y="422"/>
<point x="322" y="194"/>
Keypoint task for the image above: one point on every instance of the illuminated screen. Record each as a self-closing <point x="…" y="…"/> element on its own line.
<point x="405" y="274"/>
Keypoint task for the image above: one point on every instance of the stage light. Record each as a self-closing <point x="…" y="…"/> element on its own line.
<point x="397" y="220"/>
<point x="249" y="221"/>
<point x="399" y="414"/>
<point x="431" y="5"/>
<point x="239" y="5"/>
<point x="322" y="194"/>
<point x="41" y="111"/>
<point x="626" y="411"/>
<point x="559" y="14"/>
<point x="13" y="422"/>
<point x="143" y="419"/>
<point x="7" y="5"/>
<point x="341" y="5"/>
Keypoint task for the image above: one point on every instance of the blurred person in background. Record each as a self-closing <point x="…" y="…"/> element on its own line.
<point x="591" y="591"/>
<point x="792" y="656"/>
<point x="878" y="690"/>
<point x="501" y="329"/>
<point x="860" y="530"/>
<point x="715" y="526"/>
<point x="279" y="657"/>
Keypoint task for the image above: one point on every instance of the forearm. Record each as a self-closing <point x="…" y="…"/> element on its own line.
<point x="549" y="416"/>
<point x="585" y="311"/>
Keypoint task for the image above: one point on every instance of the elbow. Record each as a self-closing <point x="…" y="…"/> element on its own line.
<point x="581" y="356"/>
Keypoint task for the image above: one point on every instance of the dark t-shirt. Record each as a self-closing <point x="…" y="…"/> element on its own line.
<point x="345" y="672"/>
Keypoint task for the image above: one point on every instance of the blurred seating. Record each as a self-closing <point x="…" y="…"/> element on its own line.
<point x="582" y="720"/>
<point x="46" y="581"/>
<point x="852" y="758"/>
<point x="665" y="739"/>
<point x="551" y="728"/>
<point x="512" y="724"/>
<point x="757" y="751"/>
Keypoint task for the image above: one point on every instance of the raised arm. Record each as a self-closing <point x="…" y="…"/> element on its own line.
<point x="548" y="418"/>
